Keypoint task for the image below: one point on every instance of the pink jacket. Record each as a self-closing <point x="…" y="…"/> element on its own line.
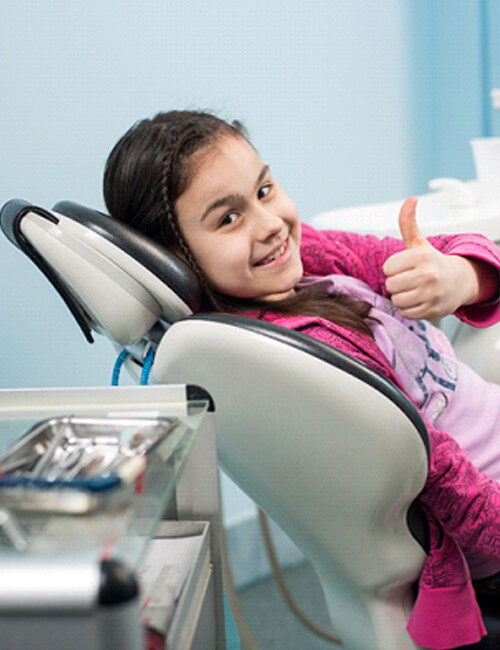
<point x="458" y="500"/>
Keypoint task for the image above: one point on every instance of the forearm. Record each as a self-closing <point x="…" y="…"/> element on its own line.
<point x="484" y="281"/>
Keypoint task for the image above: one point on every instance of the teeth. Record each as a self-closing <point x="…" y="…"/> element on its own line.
<point x="275" y="255"/>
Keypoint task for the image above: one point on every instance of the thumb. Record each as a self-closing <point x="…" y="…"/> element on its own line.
<point x="408" y="227"/>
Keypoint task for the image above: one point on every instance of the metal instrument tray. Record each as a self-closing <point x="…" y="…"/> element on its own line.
<point x="68" y="464"/>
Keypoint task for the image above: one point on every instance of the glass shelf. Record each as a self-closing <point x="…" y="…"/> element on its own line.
<point x="119" y="528"/>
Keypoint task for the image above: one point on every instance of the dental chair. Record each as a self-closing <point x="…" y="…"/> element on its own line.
<point x="331" y="451"/>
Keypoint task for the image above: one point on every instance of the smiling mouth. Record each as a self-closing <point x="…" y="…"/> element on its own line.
<point x="274" y="255"/>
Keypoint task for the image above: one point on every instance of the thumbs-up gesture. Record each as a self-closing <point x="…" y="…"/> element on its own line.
<point x="422" y="281"/>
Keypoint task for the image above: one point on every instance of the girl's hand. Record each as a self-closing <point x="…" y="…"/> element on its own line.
<point x="425" y="283"/>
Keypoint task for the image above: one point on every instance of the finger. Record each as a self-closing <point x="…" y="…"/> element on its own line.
<point x="408" y="227"/>
<point x="401" y="262"/>
<point x="400" y="280"/>
<point x="405" y="300"/>
<point x="411" y="306"/>
<point x="420" y="312"/>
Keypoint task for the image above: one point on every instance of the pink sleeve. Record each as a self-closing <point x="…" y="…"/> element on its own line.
<point x="466" y="502"/>
<point x="479" y="248"/>
<point x="363" y="256"/>
<point x="334" y="251"/>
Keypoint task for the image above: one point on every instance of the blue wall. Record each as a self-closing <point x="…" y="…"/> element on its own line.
<point x="455" y="55"/>
<point x="491" y="54"/>
<point x="323" y="88"/>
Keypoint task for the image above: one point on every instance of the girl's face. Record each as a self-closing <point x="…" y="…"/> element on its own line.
<point x="240" y="226"/>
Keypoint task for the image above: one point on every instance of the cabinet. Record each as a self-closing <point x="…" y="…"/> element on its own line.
<point x="144" y="571"/>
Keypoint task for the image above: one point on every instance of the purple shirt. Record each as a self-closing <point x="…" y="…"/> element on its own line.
<point x="446" y="391"/>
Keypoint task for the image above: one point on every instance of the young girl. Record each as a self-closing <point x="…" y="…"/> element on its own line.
<point x="195" y="184"/>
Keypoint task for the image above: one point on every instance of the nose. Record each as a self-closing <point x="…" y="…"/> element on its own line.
<point x="267" y="223"/>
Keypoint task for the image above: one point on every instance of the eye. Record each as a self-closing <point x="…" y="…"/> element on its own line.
<point x="264" y="190"/>
<point x="228" y="219"/>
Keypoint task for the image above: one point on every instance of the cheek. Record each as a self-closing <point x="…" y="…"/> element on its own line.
<point x="226" y="267"/>
<point x="214" y="260"/>
<point x="203" y="257"/>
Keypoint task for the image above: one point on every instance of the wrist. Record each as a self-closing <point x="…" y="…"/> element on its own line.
<point x="482" y="285"/>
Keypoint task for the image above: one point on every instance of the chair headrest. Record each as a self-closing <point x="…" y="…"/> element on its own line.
<point x="114" y="279"/>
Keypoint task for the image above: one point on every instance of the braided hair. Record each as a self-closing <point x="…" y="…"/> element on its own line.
<point x="148" y="170"/>
<point x="150" y="167"/>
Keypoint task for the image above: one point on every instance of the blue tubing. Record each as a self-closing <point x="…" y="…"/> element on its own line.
<point x="146" y="368"/>
<point x="115" y="378"/>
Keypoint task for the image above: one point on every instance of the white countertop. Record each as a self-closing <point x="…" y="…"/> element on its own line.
<point x="437" y="212"/>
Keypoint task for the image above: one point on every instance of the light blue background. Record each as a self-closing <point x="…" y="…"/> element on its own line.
<point x="349" y="101"/>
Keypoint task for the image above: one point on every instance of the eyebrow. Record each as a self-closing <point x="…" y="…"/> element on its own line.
<point x="233" y="198"/>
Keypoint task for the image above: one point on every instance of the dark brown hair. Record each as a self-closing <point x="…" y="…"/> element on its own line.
<point x="147" y="171"/>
